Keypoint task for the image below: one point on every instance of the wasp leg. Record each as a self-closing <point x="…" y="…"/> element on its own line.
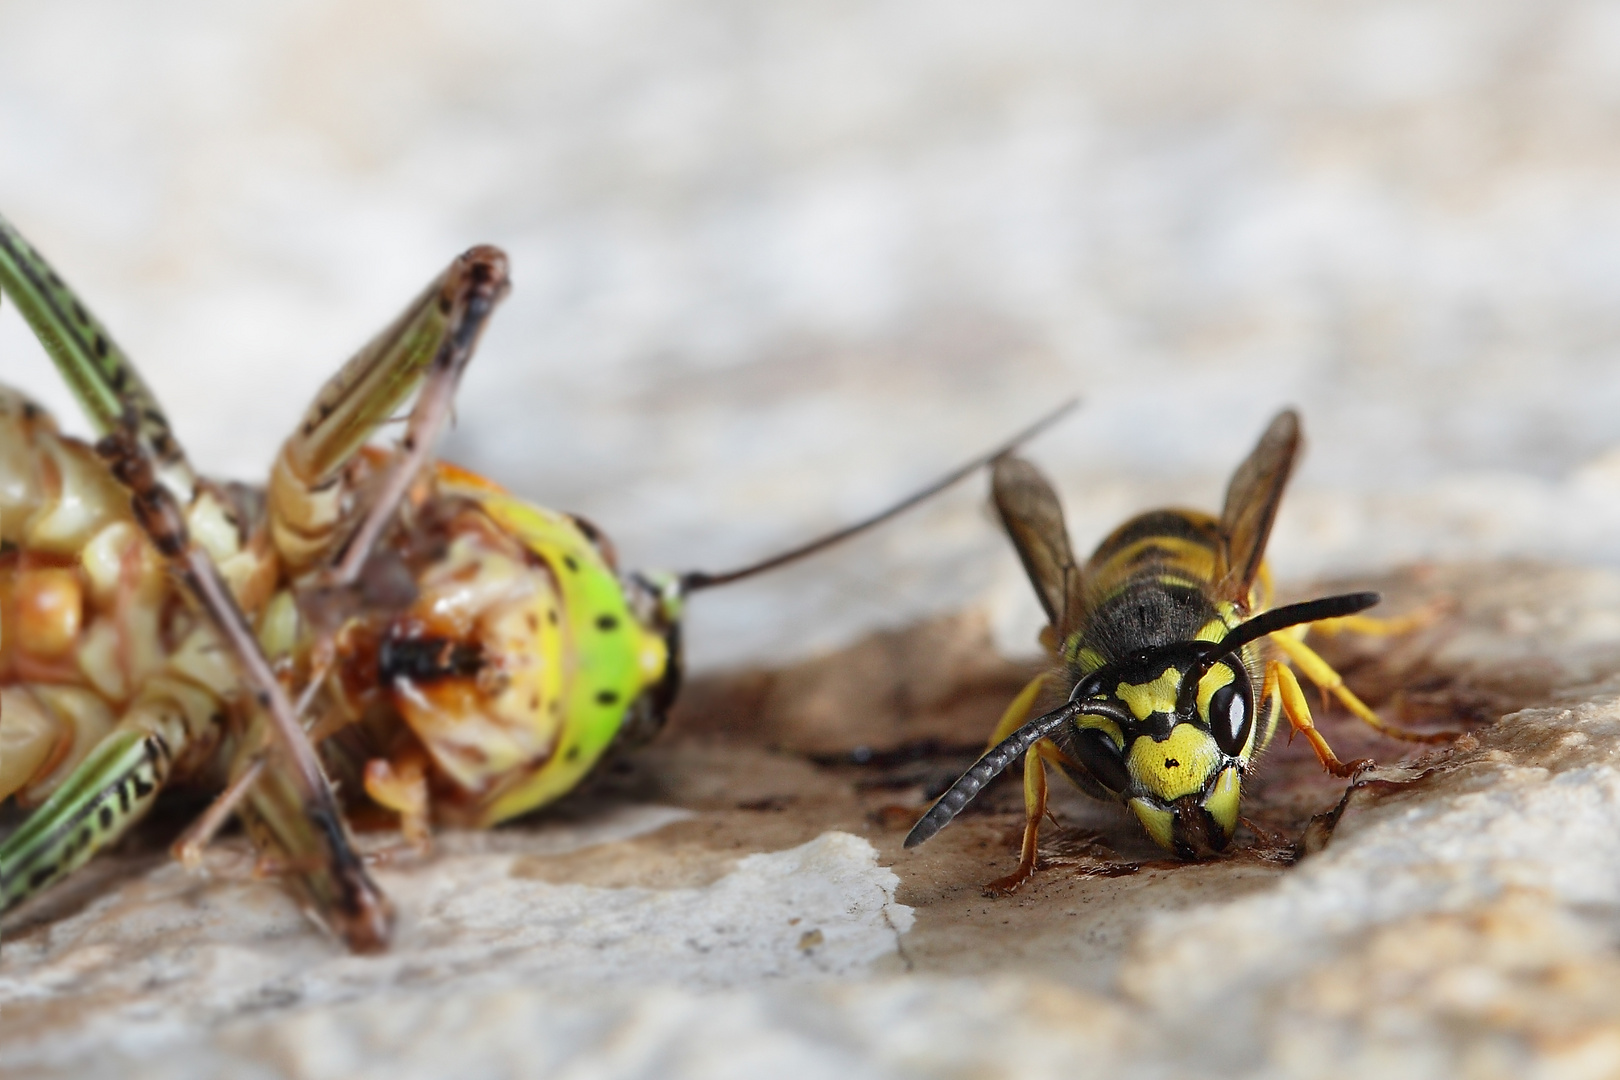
<point x="1018" y="711"/>
<point x="1034" y="788"/>
<point x="1034" y="809"/>
<point x="1281" y="684"/>
<point x="1316" y="669"/>
<point x="107" y="385"/>
<point x="1371" y="625"/>
<point x="427" y="347"/>
<point x="291" y="810"/>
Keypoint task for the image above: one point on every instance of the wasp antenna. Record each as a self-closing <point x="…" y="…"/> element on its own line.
<point x="1269" y="622"/>
<point x="693" y="580"/>
<point x="987" y="769"/>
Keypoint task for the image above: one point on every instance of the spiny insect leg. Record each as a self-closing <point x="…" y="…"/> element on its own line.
<point x="1320" y="672"/>
<point x="427" y="347"/>
<point x="1280" y="682"/>
<point x="291" y="810"/>
<point x="104" y="380"/>
<point x="110" y="791"/>
<point x="1034" y="810"/>
<point x="1034" y="787"/>
<point x="188" y="849"/>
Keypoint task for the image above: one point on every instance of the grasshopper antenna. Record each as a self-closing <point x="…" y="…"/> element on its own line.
<point x="694" y="580"/>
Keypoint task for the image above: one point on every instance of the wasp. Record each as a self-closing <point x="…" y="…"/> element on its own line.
<point x="371" y="622"/>
<point x="1173" y="671"/>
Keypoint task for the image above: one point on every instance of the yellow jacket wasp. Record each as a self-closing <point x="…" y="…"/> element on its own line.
<point x="458" y="655"/>
<point x="1159" y="636"/>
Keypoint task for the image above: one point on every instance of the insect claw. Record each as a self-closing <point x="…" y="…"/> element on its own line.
<point x="1349" y="770"/>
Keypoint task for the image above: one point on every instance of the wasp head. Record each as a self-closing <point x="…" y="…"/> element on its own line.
<point x="1169" y="732"/>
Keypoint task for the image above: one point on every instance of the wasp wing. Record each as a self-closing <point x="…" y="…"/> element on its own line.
<point x="1252" y="499"/>
<point x="1033" y="517"/>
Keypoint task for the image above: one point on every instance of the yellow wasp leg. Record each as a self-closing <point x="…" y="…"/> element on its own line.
<point x="1280" y="682"/>
<point x="1368" y="624"/>
<point x="1034" y="786"/>
<point x="1034" y="810"/>
<point x="1018" y="711"/>
<point x="1314" y="668"/>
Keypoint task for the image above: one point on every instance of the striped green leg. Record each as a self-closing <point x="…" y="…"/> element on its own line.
<point x="424" y="351"/>
<point x="110" y="791"/>
<point x="104" y="381"/>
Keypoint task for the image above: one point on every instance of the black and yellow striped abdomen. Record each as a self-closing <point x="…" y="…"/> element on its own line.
<point x="1149" y="583"/>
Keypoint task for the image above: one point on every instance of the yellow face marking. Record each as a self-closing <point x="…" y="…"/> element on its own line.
<point x="1156" y="821"/>
<point x="1217" y="676"/>
<point x="1214" y="630"/>
<point x="1178" y="766"/>
<point x="1149" y="698"/>
<point x="1102" y="724"/>
<point x="1089" y="660"/>
<point x="1222" y="802"/>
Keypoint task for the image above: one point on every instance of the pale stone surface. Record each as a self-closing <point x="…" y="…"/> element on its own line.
<point x="776" y="263"/>
<point x="165" y="960"/>
<point x="1463" y="920"/>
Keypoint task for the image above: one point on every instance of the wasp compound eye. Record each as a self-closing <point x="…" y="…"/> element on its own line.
<point x="1101" y="758"/>
<point x="1231" y="715"/>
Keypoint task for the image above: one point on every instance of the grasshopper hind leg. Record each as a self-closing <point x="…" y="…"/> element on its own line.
<point x="291" y="811"/>
<point x="110" y="791"/>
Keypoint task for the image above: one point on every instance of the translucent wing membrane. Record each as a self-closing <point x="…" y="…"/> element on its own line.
<point x="1033" y="516"/>
<point x="1252" y="499"/>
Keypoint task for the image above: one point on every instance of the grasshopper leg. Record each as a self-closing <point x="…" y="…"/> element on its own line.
<point x="106" y="384"/>
<point x="291" y="810"/>
<point x="114" y="786"/>
<point x="427" y="348"/>
<point x="110" y="791"/>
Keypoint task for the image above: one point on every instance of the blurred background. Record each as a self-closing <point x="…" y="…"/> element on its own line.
<point x="775" y="264"/>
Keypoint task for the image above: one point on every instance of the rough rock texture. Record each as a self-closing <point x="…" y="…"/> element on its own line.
<point x="774" y="265"/>
<point x="727" y="903"/>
